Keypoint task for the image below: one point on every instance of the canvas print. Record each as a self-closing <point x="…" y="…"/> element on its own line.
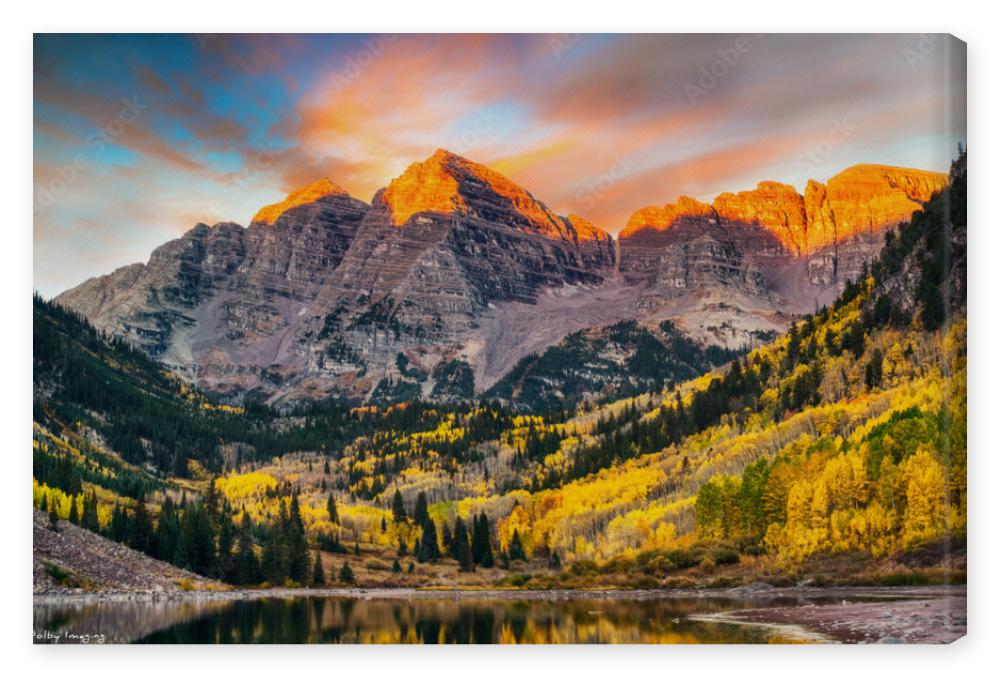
<point x="499" y="338"/>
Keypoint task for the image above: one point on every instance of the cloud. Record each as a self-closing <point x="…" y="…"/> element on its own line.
<point x="593" y="124"/>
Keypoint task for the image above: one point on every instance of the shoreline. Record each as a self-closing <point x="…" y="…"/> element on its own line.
<point x="752" y="590"/>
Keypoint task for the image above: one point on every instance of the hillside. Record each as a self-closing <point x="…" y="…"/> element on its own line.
<point x="71" y="558"/>
<point x="607" y="364"/>
<point x="834" y="453"/>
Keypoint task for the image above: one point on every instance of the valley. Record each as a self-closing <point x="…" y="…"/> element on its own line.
<point x="834" y="454"/>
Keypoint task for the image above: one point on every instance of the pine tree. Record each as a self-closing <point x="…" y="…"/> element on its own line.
<point x="53" y="518"/>
<point x="246" y="571"/>
<point x="226" y="561"/>
<point x="398" y="508"/>
<point x="481" y="548"/>
<point x="516" y="550"/>
<point x="273" y="556"/>
<point x="487" y="560"/>
<point x="331" y="509"/>
<point x="142" y="526"/>
<point x="346" y="575"/>
<point x="429" y="550"/>
<point x="212" y="498"/>
<point x="396" y="568"/>
<point x="90" y="519"/>
<point x="420" y="510"/>
<point x="167" y="530"/>
<point x="298" y="549"/>
<point x="458" y="538"/>
<point x="74" y="516"/>
<point x="319" y="578"/>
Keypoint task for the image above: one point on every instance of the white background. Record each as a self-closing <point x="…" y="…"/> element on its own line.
<point x="970" y="660"/>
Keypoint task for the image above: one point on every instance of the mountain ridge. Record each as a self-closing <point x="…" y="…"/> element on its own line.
<point x="453" y="262"/>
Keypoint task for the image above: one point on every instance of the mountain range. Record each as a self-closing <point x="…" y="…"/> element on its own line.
<point x="454" y="275"/>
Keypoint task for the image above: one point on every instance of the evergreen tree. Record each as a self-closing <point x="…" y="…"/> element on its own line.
<point x="212" y="498"/>
<point x="331" y="509"/>
<point x="396" y="568"/>
<point x="346" y="575"/>
<point x="74" y="516"/>
<point x="481" y="548"/>
<point x="53" y="518"/>
<point x="873" y="370"/>
<point x="298" y="548"/>
<point x="420" y="510"/>
<point x="180" y="558"/>
<point x="141" y="529"/>
<point x="90" y="520"/>
<point x="226" y="561"/>
<point x="516" y="550"/>
<point x="246" y="570"/>
<point x="429" y="550"/>
<point x="458" y="538"/>
<point x="273" y="565"/>
<point x="319" y="578"/>
<point x="487" y="560"/>
<point x="398" y="508"/>
<point x="167" y="530"/>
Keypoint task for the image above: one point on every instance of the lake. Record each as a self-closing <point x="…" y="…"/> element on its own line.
<point x="414" y="619"/>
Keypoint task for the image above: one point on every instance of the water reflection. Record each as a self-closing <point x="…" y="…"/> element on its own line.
<point x="417" y="620"/>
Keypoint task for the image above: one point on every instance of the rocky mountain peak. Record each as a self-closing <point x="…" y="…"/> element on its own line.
<point x="448" y="183"/>
<point x="865" y="199"/>
<point x="585" y="230"/>
<point x="314" y="192"/>
<point x="776" y="207"/>
<point x="662" y="218"/>
<point x="455" y="272"/>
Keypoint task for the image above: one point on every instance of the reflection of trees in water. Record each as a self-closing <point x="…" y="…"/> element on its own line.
<point x="120" y="622"/>
<point x="421" y="620"/>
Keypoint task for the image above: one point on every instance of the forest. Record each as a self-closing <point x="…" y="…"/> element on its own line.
<point x="836" y="450"/>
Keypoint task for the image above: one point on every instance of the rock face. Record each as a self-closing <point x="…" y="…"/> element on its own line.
<point x="454" y="273"/>
<point x="764" y="254"/>
<point x="442" y="246"/>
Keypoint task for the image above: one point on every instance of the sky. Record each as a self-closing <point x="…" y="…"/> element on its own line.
<point x="139" y="137"/>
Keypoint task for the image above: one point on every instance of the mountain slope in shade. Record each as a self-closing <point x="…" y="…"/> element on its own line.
<point x="455" y="266"/>
<point x="607" y="363"/>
